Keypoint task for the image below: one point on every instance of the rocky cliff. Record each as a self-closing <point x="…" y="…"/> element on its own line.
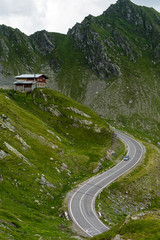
<point x="124" y="29"/>
<point x="23" y="54"/>
<point x="110" y="63"/>
<point x="94" y="48"/>
<point x="122" y="47"/>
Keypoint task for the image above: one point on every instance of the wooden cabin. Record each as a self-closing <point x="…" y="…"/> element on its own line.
<point x="28" y="82"/>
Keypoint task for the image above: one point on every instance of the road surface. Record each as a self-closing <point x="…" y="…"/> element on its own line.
<point x="82" y="203"/>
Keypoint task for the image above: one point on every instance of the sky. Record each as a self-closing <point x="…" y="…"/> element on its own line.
<point x="55" y="15"/>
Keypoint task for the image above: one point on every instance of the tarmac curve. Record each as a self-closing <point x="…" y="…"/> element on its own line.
<point x="81" y="205"/>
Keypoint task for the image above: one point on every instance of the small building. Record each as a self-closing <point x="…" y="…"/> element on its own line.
<point x="28" y="82"/>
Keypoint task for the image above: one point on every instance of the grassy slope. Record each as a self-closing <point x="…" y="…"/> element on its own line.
<point x="145" y="228"/>
<point x="133" y="105"/>
<point x="142" y="114"/>
<point x="64" y="64"/>
<point x="30" y="206"/>
<point x="74" y="74"/>
<point x="138" y="81"/>
<point x="14" y="45"/>
<point x="132" y="100"/>
<point x="137" y="197"/>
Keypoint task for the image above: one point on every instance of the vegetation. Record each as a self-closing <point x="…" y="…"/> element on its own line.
<point x="82" y="65"/>
<point x="131" y="205"/>
<point x="48" y="144"/>
<point x="145" y="228"/>
<point x="125" y="35"/>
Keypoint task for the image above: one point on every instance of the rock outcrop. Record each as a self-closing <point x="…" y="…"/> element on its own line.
<point x="94" y="49"/>
<point x="109" y="63"/>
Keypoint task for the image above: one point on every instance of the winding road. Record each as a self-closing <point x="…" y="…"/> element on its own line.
<point x="81" y="205"/>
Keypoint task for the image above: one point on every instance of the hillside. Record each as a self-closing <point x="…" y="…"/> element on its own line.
<point x="109" y="63"/>
<point x="123" y="45"/>
<point x="49" y="143"/>
<point x="131" y="205"/>
<point x="52" y="54"/>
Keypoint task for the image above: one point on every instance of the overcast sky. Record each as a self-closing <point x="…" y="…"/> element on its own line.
<point x="54" y="15"/>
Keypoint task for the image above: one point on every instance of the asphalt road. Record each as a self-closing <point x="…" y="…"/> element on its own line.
<point x="82" y="203"/>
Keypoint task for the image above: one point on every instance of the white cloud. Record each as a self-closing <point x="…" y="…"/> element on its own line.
<point x="27" y="15"/>
<point x="54" y="15"/>
<point x="18" y="7"/>
<point x="63" y="16"/>
<point x="148" y="3"/>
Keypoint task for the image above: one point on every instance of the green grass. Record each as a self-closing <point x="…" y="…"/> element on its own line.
<point x="129" y="102"/>
<point x="73" y="77"/>
<point x="134" y="195"/>
<point x="31" y="207"/>
<point x="145" y="228"/>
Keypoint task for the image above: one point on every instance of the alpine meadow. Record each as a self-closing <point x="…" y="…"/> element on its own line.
<point x="103" y="74"/>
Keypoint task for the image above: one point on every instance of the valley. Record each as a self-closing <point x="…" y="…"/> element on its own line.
<point x="49" y="144"/>
<point x="108" y="68"/>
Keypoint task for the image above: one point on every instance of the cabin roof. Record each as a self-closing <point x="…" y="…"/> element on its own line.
<point x="24" y="82"/>
<point x="30" y="76"/>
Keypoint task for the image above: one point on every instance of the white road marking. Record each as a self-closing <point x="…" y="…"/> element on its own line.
<point x="93" y="230"/>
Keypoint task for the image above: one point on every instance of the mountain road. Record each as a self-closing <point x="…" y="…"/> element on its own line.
<point x="81" y="205"/>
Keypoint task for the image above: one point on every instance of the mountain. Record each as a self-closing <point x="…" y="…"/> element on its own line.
<point x="42" y="52"/>
<point x="122" y="30"/>
<point x="131" y="205"/>
<point x="49" y="143"/>
<point x="122" y="46"/>
<point x="109" y="63"/>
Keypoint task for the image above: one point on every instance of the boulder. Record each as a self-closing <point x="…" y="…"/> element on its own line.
<point x="97" y="168"/>
<point x="2" y="154"/>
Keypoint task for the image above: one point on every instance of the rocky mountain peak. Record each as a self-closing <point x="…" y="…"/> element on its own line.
<point x="140" y="17"/>
<point x="125" y="8"/>
<point x="98" y="37"/>
<point x="43" y="41"/>
<point x="123" y="1"/>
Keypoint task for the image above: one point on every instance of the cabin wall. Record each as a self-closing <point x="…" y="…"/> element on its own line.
<point x="25" y="85"/>
<point x="41" y="85"/>
<point x="19" y="88"/>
